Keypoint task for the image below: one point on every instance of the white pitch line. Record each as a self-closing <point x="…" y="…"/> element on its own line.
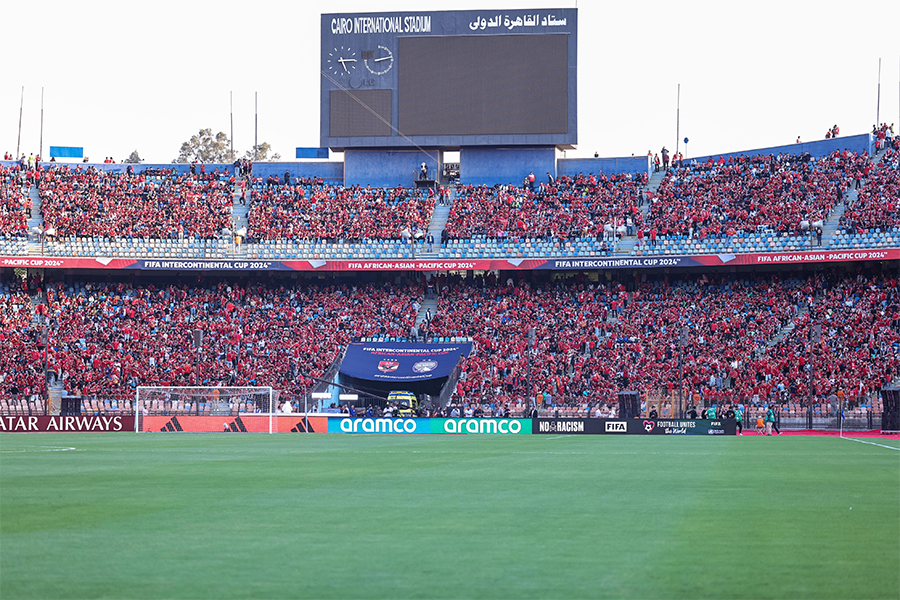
<point x="556" y="437"/>
<point x="870" y="443"/>
<point x="42" y="449"/>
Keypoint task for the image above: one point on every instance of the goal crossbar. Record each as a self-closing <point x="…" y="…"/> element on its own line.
<point x="204" y="401"/>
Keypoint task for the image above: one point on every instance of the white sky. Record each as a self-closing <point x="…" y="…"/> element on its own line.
<point x="120" y="76"/>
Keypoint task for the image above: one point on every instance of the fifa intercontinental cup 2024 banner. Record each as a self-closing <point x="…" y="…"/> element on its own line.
<point x="401" y="361"/>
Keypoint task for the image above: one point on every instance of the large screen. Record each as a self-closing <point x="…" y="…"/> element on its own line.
<point x="360" y="112"/>
<point x="494" y="84"/>
<point x="449" y="79"/>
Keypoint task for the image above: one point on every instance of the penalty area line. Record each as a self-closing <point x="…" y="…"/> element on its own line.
<point x="870" y="443"/>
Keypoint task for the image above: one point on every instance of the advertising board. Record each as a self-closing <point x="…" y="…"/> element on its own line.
<point x="233" y="424"/>
<point x="497" y="264"/>
<point x="482" y="426"/>
<point x="380" y="425"/>
<point x="452" y="426"/>
<point x="633" y="427"/>
<point x="58" y="424"/>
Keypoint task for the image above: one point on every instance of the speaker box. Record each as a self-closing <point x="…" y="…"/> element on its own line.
<point x="629" y="405"/>
<point x="890" y="418"/>
<point x="70" y="406"/>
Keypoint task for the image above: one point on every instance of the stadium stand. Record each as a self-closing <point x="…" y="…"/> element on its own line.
<point x="739" y="204"/>
<point x="107" y="339"/>
<point x="592" y="338"/>
<point x="594" y="332"/>
<point x="571" y="216"/>
<point x="312" y="218"/>
<point x="96" y="213"/>
<point x="21" y="368"/>
<point x="13" y="209"/>
<point x="873" y="219"/>
<point x="747" y="204"/>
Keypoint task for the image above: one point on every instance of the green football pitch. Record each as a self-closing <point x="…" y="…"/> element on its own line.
<point x="313" y="516"/>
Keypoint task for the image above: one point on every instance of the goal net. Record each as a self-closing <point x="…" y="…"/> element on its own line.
<point x="157" y="408"/>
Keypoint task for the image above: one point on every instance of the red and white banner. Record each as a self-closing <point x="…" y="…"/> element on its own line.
<point x="500" y="264"/>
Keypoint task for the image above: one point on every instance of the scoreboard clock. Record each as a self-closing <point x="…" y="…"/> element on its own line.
<point x="378" y="61"/>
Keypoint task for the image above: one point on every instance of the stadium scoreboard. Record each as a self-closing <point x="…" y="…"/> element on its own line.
<point x="449" y="79"/>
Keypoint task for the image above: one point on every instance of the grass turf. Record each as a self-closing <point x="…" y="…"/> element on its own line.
<point x="257" y="516"/>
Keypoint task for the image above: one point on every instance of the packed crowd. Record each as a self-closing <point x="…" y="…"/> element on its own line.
<point x="857" y="350"/>
<point x="592" y="339"/>
<point x="107" y="339"/>
<point x="574" y="343"/>
<point x="784" y="193"/>
<point x="591" y="206"/>
<point x="884" y="135"/>
<point x="13" y="201"/>
<point x="21" y="369"/>
<point x="878" y="203"/>
<point x="318" y="211"/>
<point x="91" y="203"/>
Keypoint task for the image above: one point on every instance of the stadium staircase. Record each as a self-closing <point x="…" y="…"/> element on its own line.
<point x="787" y="329"/>
<point x="54" y="390"/>
<point x="652" y="186"/>
<point x="55" y="393"/>
<point x="436" y="226"/>
<point x="34" y="240"/>
<point x="239" y="219"/>
<point x="830" y="227"/>
<point x="427" y="303"/>
<point x="626" y="245"/>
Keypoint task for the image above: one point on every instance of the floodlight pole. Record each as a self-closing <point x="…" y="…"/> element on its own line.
<point x="678" y="121"/>
<point x="878" y="102"/>
<point x="231" y="115"/>
<point x="41" y="143"/>
<point x="19" y="139"/>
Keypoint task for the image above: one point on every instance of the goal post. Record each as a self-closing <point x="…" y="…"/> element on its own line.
<point x="223" y="407"/>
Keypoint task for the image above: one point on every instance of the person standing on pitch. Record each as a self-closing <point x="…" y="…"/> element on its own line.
<point x="739" y="419"/>
<point x="770" y="419"/>
<point x="775" y="419"/>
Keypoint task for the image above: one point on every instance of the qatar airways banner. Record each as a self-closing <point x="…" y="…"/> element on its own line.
<point x="400" y="361"/>
<point x="509" y="264"/>
<point x="93" y="423"/>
